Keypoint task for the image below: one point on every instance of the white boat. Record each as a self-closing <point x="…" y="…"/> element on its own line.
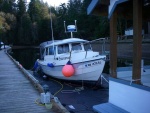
<point x="87" y="64"/>
<point x="2" y="46"/>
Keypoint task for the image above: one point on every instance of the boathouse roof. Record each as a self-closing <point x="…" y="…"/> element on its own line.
<point x="123" y="7"/>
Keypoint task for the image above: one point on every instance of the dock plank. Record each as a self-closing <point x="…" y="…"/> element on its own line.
<point x="17" y="94"/>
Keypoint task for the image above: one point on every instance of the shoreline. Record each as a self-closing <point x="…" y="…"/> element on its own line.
<point x="24" y="47"/>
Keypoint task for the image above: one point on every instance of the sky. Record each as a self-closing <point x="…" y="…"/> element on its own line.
<point x="53" y="2"/>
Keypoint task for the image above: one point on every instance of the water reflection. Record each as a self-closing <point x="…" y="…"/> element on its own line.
<point x="26" y="57"/>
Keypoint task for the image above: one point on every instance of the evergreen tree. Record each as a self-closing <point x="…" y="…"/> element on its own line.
<point x="39" y="13"/>
<point x="20" y="12"/>
<point x="30" y="24"/>
<point x="5" y="25"/>
<point x="7" y="6"/>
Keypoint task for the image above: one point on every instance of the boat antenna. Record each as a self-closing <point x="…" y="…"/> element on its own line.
<point x="52" y="30"/>
<point x="71" y="28"/>
<point x="75" y="24"/>
<point x="65" y="26"/>
<point x="51" y="25"/>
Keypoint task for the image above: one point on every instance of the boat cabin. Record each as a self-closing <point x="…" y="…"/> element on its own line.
<point x="57" y="48"/>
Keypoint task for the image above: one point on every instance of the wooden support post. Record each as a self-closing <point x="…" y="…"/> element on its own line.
<point x="113" y="45"/>
<point x="148" y="27"/>
<point x="137" y="40"/>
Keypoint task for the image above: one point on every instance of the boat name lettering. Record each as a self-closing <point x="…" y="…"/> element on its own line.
<point x="63" y="58"/>
<point x="92" y="63"/>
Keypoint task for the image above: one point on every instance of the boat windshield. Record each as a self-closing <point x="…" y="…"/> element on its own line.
<point x="50" y="50"/>
<point x="76" y="46"/>
<point x="87" y="47"/>
<point x="63" y="48"/>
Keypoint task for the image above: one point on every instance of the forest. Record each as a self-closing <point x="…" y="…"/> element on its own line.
<point x="29" y="24"/>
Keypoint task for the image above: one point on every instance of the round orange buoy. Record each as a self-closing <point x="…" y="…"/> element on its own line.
<point x="68" y="70"/>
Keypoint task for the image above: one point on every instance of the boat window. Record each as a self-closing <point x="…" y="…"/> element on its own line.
<point x="63" y="48"/>
<point x="52" y="50"/>
<point x="76" y="46"/>
<point x="87" y="47"/>
<point x="46" y="51"/>
<point x="42" y="51"/>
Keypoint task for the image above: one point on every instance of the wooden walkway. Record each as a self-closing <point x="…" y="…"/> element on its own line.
<point x="17" y="94"/>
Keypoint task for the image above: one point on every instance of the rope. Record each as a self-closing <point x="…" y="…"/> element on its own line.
<point x="77" y="89"/>
<point x="60" y="88"/>
<point x="38" y="103"/>
<point x="47" y="105"/>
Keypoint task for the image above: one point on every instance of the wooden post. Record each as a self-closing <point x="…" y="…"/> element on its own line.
<point x="137" y="40"/>
<point x="113" y="45"/>
<point x="148" y="27"/>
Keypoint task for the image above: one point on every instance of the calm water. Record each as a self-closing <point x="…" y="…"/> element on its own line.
<point x="27" y="58"/>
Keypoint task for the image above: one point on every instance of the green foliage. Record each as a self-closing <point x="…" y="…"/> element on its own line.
<point x="39" y="14"/>
<point x="37" y="10"/>
<point x="7" y="6"/>
<point x="30" y="24"/>
<point x="21" y="8"/>
<point x="4" y="22"/>
<point x="7" y="25"/>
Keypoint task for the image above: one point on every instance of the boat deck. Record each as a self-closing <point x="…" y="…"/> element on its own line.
<point x="17" y="94"/>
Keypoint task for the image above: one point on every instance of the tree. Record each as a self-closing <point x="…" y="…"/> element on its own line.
<point x="102" y="30"/>
<point x="11" y="21"/>
<point x="39" y="13"/>
<point x="30" y="24"/>
<point x="6" y="20"/>
<point x="20" y="12"/>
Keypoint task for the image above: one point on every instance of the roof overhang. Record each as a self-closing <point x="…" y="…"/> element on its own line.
<point x="124" y="8"/>
<point x="98" y="7"/>
<point x="113" y="5"/>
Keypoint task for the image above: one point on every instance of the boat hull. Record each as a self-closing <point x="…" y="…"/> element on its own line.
<point x="88" y="70"/>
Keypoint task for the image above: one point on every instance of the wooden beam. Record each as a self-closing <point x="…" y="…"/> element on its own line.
<point x="113" y="45"/>
<point x="105" y="2"/>
<point x="148" y="27"/>
<point x="100" y="10"/>
<point x="137" y="40"/>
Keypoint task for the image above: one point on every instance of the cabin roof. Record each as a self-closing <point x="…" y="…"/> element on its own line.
<point x="65" y="41"/>
<point x="43" y="44"/>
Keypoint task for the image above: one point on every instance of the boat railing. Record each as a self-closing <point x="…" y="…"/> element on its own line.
<point x="102" y="40"/>
<point x="103" y="50"/>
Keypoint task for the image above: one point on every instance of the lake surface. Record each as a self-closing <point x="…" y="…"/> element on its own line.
<point x="27" y="58"/>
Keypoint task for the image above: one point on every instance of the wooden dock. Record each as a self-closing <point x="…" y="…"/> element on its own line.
<point x="17" y="94"/>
